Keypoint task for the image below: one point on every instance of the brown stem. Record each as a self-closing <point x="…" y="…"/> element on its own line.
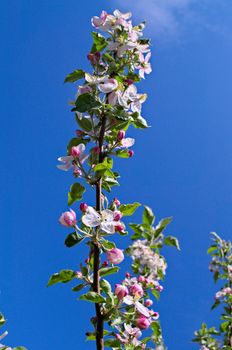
<point x="96" y="274"/>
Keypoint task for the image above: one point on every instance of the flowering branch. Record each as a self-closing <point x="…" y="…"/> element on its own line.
<point x="221" y="266"/>
<point x="106" y="104"/>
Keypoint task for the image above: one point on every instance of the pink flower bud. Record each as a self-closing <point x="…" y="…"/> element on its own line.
<point x="77" y="172"/>
<point x="105" y="263"/>
<point x="131" y="153"/>
<point x="68" y="218"/>
<point x="115" y="256"/>
<point x="117" y="215"/>
<point x="141" y="279"/>
<point x="128" y="275"/>
<point x="159" y="288"/>
<point x="87" y="261"/>
<point x="94" y="57"/>
<point x="96" y="150"/>
<point x="129" y="81"/>
<point x="148" y="302"/>
<point x="136" y="289"/>
<point x="121" y="134"/>
<point x="79" y="274"/>
<point x="79" y="133"/>
<point x="121" y="291"/>
<point x="75" y="151"/>
<point x="155" y="315"/>
<point x="117" y="202"/>
<point x="119" y="227"/>
<point x="142" y="322"/>
<point x="83" y="207"/>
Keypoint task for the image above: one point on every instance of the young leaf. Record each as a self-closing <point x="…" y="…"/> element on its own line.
<point x="105" y="271"/>
<point x="128" y="209"/>
<point x="86" y="102"/>
<point x="75" y="193"/>
<point x="99" y="42"/>
<point x="148" y="216"/>
<point x="2" y="320"/>
<point x="63" y="276"/>
<point x="73" y="239"/>
<point x="74" y="76"/>
<point x="172" y="241"/>
<point x="93" y="297"/>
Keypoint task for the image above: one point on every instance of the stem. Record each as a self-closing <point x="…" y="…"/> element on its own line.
<point x="96" y="274"/>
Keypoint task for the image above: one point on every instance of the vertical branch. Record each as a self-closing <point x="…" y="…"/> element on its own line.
<point x="96" y="274"/>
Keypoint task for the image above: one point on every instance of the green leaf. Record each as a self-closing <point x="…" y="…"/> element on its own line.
<point x="73" y="239"/>
<point x="155" y="326"/>
<point x="107" y="245"/>
<point x="2" y="320"/>
<point x="212" y="249"/>
<point x="121" y="153"/>
<point x="93" y="297"/>
<point x="128" y="209"/>
<point x="75" y="193"/>
<point x="156" y="294"/>
<point x="148" y="216"/>
<point x="99" y="42"/>
<point x="63" y="276"/>
<point x="84" y="123"/>
<point x="19" y="348"/>
<point x="105" y="286"/>
<point x="78" y="287"/>
<point x="74" y="76"/>
<point x="105" y="271"/>
<point x="85" y="102"/>
<point x="112" y="343"/>
<point x="140" y="123"/>
<point x="162" y="225"/>
<point x="172" y="241"/>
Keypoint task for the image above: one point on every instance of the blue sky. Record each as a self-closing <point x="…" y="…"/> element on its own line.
<point x="182" y="165"/>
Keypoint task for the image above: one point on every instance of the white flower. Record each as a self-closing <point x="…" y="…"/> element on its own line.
<point x="105" y="220"/>
<point x="68" y="160"/>
<point x="127" y="142"/>
<point x="108" y="85"/>
<point x="144" y="66"/>
<point x="155" y="262"/>
<point x="93" y="79"/>
<point x="130" y="99"/>
<point x="129" y="300"/>
<point x="120" y="15"/>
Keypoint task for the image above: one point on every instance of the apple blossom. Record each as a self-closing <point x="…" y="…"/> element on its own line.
<point x="121" y="134"/>
<point x="143" y="322"/>
<point x="137" y="289"/>
<point x="148" y="302"/>
<point x="68" y="218"/>
<point x="144" y="66"/>
<point x="115" y="256"/>
<point x="83" y="207"/>
<point x="121" y="291"/>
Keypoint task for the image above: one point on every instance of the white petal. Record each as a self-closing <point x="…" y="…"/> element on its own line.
<point x="142" y="309"/>
<point x="108" y="227"/>
<point x="128" y="300"/>
<point x="127" y="142"/>
<point x="107" y="215"/>
<point x="91" y="218"/>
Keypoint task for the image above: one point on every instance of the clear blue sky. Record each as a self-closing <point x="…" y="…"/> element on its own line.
<point x="182" y="165"/>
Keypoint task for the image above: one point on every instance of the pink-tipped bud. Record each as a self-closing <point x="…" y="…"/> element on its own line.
<point x="79" y="133"/>
<point x="120" y="136"/>
<point x="131" y="153"/>
<point x="105" y="263"/>
<point x="117" y="202"/>
<point x="87" y="261"/>
<point x="142" y="322"/>
<point x="137" y="289"/>
<point x="83" y="207"/>
<point x="128" y="275"/>
<point x="68" y="218"/>
<point x="75" y="151"/>
<point x="141" y="279"/>
<point x="79" y="274"/>
<point x="155" y="315"/>
<point x="159" y="288"/>
<point x="121" y="291"/>
<point x="129" y="81"/>
<point x="94" y="58"/>
<point x="96" y="150"/>
<point x="119" y="227"/>
<point x="117" y="215"/>
<point x="77" y="172"/>
<point x="148" y="302"/>
<point x="115" y="256"/>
